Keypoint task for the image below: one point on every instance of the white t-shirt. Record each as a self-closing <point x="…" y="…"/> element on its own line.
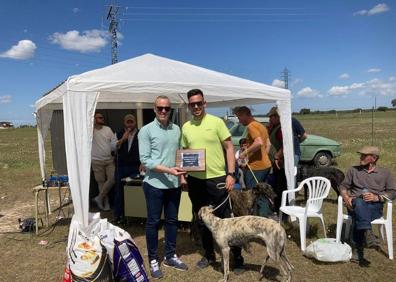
<point x="103" y="142"/>
<point x="243" y="161"/>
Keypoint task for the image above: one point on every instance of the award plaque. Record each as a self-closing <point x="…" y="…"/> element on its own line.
<point x="191" y="159"/>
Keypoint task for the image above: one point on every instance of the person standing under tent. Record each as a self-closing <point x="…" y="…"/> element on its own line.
<point x="259" y="164"/>
<point x="127" y="162"/>
<point x="102" y="161"/>
<point x="158" y="143"/>
<point x="205" y="131"/>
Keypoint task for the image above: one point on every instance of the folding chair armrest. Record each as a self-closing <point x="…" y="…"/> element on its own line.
<point x="292" y="190"/>
<point x="389" y="207"/>
<point x="284" y="196"/>
<point x="388" y="200"/>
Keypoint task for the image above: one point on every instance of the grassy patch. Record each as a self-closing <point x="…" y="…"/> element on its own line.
<point x="23" y="259"/>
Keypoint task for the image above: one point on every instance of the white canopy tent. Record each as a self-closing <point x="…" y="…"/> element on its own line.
<point x="134" y="84"/>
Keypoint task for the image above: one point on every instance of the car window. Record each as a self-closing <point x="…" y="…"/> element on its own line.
<point x="229" y="123"/>
<point x="237" y="130"/>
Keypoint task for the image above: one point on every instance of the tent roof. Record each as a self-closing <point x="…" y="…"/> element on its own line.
<point x="140" y="79"/>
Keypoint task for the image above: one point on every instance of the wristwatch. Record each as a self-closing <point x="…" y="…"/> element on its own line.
<point x="233" y="174"/>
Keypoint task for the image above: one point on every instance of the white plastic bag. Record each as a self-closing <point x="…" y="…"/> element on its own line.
<point x="92" y="249"/>
<point x="327" y="249"/>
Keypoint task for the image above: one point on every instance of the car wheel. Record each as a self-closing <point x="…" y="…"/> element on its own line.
<point x="322" y="159"/>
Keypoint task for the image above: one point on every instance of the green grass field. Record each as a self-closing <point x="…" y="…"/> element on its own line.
<point x="23" y="259"/>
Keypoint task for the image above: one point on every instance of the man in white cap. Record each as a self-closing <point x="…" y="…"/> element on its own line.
<point x="364" y="190"/>
<point x="127" y="162"/>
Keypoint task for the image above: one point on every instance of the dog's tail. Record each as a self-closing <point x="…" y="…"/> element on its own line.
<point x="283" y="255"/>
<point x="286" y="264"/>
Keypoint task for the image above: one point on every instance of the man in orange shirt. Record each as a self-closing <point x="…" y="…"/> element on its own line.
<point x="257" y="150"/>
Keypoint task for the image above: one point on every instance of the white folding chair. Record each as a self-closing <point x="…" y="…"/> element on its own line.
<point x="382" y="222"/>
<point x="318" y="189"/>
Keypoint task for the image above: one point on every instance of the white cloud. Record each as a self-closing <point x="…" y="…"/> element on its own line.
<point x="23" y="50"/>
<point x="378" y="9"/>
<point x="5" y="99"/>
<point x="278" y="83"/>
<point x="87" y="41"/>
<point x="360" y="13"/>
<point x="392" y="78"/>
<point x="308" y="92"/>
<point x="371" y="87"/>
<point x="344" y="76"/>
<point x="76" y="10"/>
<point x="374" y="70"/>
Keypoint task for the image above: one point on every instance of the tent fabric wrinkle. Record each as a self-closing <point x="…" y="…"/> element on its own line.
<point x="79" y="110"/>
<point x="43" y="119"/>
<point x="134" y="84"/>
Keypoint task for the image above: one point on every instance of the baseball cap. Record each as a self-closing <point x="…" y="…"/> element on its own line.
<point x="369" y="150"/>
<point x="129" y="117"/>
<point x="273" y="111"/>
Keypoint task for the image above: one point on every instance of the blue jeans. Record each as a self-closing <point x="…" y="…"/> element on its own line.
<point x="363" y="213"/>
<point x="121" y="172"/>
<point x="156" y="200"/>
<point x="262" y="205"/>
<point x="261" y="176"/>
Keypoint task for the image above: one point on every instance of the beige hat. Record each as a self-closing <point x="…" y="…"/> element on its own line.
<point x="273" y="111"/>
<point x="129" y="117"/>
<point x="369" y="150"/>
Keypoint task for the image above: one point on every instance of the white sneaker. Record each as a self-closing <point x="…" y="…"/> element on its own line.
<point x="99" y="202"/>
<point x="155" y="270"/>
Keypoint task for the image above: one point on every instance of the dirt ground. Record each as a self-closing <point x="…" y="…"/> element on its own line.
<point x="23" y="258"/>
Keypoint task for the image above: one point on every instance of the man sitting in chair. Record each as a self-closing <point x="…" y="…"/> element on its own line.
<point x="364" y="190"/>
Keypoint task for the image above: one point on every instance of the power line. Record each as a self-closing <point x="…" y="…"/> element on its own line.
<point x="206" y="8"/>
<point x="219" y="14"/>
<point x="214" y="20"/>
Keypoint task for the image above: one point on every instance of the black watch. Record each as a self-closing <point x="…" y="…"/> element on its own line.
<point x="233" y="174"/>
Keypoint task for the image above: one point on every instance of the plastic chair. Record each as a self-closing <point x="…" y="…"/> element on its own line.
<point x="318" y="189"/>
<point x="382" y="222"/>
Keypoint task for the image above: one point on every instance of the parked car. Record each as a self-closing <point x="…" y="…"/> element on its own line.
<point x="320" y="151"/>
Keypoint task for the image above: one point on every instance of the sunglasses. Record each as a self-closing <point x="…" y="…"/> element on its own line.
<point x="160" y="109"/>
<point x="198" y="104"/>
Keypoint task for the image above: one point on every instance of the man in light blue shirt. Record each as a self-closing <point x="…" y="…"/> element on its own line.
<point x="158" y="142"/>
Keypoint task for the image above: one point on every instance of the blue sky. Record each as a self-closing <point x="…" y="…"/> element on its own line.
<point x="341" y="54"/>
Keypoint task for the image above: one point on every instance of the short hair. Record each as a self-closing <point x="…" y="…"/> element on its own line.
<point x="194" y="92"/>
<point x="97" y="112"/>
<point x="242" y="141"/>
<point x="243" y="110"/>
<point x="161" y="97"/>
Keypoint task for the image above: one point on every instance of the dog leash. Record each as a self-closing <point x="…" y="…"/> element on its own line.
<point x="222" y="186"/>
<point x="251" y="171"/>
<point x="254" y="176"/>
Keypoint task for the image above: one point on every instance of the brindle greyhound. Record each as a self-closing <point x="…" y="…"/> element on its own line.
<point x="240" y="231"/>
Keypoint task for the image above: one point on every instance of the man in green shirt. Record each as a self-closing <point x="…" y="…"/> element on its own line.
<point x="205" y="131"/>
<point x="158" y="142"/>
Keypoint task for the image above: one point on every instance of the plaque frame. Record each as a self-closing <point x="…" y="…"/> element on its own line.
<point x="196" y="156"/>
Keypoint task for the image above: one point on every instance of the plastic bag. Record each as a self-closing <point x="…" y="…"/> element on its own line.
<point x="100" y="250"/>
<point x="328" y="250"/>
